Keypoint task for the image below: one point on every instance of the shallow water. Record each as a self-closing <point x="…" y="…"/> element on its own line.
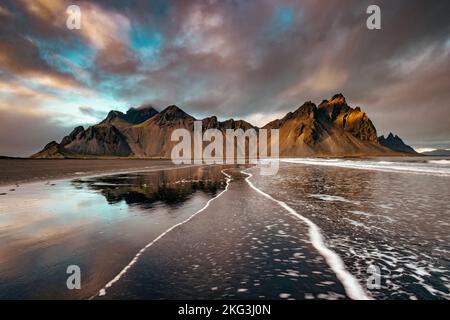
<point x="243" y="245"/>
<point x="385" y="215"/>
<point x="96" y="223"/>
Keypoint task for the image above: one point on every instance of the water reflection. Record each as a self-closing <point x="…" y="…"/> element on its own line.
<point x="170" y="187"/>
<point x="96" y="223"/>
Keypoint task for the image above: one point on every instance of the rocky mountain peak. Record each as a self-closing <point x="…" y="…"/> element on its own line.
<point x="338" y="99"/>
<point x="236" y="124"/>
<point x="210" y="122"/>
<point x="133" y="115"/>
<point x="72" y="136"/>
<point x="305" y="109"/>
<point x="172" y="114"/>
<point x="330" y="129"/>
<point x="140" y="114"/>
<point x="394" y="142"/>
<point x="392" y="137"/>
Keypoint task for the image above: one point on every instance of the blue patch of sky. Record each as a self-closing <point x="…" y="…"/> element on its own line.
<point x="146" y="42"/>
<point x="117" y="87"/>
<point x="67" y="56"/>
<point x="283" y="19"/>
<point x="160" y="7"/>
<point x="75" y="51"/>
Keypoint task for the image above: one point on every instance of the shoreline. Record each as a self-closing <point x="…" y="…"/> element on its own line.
<point x="16" y="172"/>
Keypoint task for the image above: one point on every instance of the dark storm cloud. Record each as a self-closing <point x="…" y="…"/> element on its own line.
<point x="242" y="58"/>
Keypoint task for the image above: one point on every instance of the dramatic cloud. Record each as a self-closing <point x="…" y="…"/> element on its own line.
<point x="91" y="112"/>
<point x="250" y="59"/>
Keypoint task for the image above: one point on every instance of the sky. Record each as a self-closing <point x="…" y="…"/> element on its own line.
<point x="252" y="59"/>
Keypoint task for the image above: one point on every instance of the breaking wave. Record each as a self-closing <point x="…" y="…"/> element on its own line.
<point x="431" y="167"/>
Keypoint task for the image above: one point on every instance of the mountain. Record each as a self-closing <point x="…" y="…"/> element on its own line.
<point x="53" y="150"/>
<point x="438" y="152"/>
<point x="137" y="133"/>
<point x="395" y="143"/>
<point x="133" y="115"/>
<point x="332" y="128"/>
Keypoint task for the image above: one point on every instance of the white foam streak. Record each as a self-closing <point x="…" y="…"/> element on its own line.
<point x="351" y="285"/>
<point x="102" y="291"/>
<point x="425" y="168"/>
<point x="442" y="161"/>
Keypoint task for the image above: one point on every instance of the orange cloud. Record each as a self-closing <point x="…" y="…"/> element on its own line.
<point x="20" y="91"/>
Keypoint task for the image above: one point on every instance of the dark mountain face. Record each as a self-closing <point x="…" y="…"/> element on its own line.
<point x="99" y="140"/>
<point x="52" y="150"/>
<point x="172" y="115"/>
<point x="133" y="115"/>
<point x="213" y="123"/>
<point x="395" y="143"/>
<point x="136" y="116"/>
<point x="331" y="129"/>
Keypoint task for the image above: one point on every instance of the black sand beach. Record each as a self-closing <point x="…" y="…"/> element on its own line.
<point x="212" y="232"/>
<point x="18" y="170"/>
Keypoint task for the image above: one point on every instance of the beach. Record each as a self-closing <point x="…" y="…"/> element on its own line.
<point x="315" y="230"/>
<point x="24" y="170"/>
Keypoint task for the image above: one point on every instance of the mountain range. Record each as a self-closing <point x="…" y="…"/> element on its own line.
<point x="394" y="142"/>
<point x="332" y="128"/>
<point x="437" y="153"/>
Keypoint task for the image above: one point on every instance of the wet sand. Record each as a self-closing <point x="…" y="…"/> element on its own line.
<point x="242" y="246"/>
<point x="97" y="223"/>
<point x="191" y="233"/>
<point x="18" y="171"/>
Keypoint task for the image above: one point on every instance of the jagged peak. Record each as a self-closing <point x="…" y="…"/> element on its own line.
<point x="78" y="129"/>
<point x="139" y="114"/>
<point x="113" y="114"/>
<point x="144" y="106"/>
<point x="72" y="136"/>
<point x="394" y="142"/>
<point x="175" y="111"/>
<point x="391" y="136"/>
<point x="323" y="103"/>
<point x="142" y="109"/>
<point x="134" y="115"/>
<point x="210" y="120"/>
<point x="338" y="97"/>
<point x="306" y="106"/>
<point x="51" y="144"/>
<point x="170" y="114"/>
<point x="236" y="124"/>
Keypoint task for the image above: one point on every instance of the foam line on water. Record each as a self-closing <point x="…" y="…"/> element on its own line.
<point x="351" y="285"/>
<point x="102" y="291"/>
<point x="386" y="166"/>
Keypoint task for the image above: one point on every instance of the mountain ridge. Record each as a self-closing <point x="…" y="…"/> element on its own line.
<point x="332" y="128"/>
<point x="394" y="142"/>
<point x="437" y="153"/>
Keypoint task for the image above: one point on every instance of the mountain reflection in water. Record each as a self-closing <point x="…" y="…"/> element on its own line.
<point x="97" y="223"/>
<point x="170" y="187"/>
